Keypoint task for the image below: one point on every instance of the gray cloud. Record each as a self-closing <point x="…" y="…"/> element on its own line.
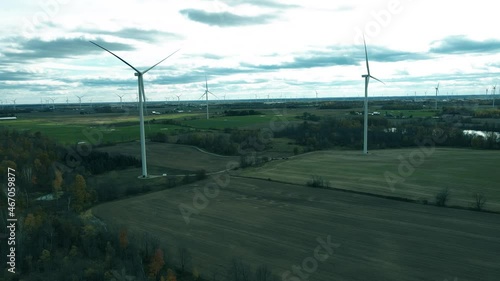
<point x="382" y="54"/>
<point x="7" y="75"/>
<point x="461" y="45"/>
<point x="59" y="48"/>
<point x="225" y="19"/>
<point x="261" y="3"/>
<point x="353" y="55"/>
<point x="148" y="35"/>
<point x="307" y="62"/>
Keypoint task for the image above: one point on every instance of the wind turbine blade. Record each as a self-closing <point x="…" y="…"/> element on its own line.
<point x="377" y="80"/>
<point x="201" y="96"/>
<point x="366" y="56"/>
<point x="213" y="94"/>
<point x="115" y="56"/>
<point x="144" y="72"/>
<point x="437" y="86"/>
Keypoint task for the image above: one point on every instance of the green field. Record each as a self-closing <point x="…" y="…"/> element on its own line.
<point x="463" y="171"/>
<point x="174" y="157"/>
<point x="276" y="224"/>
<point x="71" y="128"/>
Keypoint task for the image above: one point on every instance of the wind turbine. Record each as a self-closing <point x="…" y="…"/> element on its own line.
<point x="80" y="101"/>
<point x="436" y="101"/>
<point x="179" y="99"/>
<point x="120" y="96"/>
<point x="142" y="97"/>
<point x="206" y="94"/>
<point x="493" y="94"/>
<point x="367" y="79"/>
<point x="14" y="101"/>
<point x="53" y="104"/>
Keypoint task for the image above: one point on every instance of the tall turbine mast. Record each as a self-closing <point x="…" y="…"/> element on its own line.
<point x="80" y="102"/>
<point x="142" y="97"/>
<point x="53" y="104"/>
<point x="178" y="99"/>
<point x="493" y="95"/>
<point x="120" y="96"/>
<point x="367" y="79"/>
<point x="436" y="101"/>
<point x="206" y="95"/>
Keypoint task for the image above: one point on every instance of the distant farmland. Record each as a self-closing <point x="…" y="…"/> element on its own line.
<point x="174" y="156"/>
<point x="463" y="171"/>
<point x="265" y="222"/>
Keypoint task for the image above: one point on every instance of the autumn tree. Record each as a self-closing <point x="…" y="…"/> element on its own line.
<point x="57" y="183"/>
<point x="170" y="276"/>
<point x="156" y="264"/>
<point x="80" y="197"/>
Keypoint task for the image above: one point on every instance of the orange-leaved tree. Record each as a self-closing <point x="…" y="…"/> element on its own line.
<point x="156" y="264"/>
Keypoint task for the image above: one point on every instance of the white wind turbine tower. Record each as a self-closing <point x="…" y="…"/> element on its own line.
<point x="493" y="94"/>
<point x="436" y="101"/>
<point x="367" y="79"/>
<point x="53" y="104"/>
<point x="14" y="102"/>
<point x="80" y="101"/>
<point x="121" y="99"/>
<point x="178" y="99"/>
<point x="206" y="94"/>
<point x="142" y="98"/>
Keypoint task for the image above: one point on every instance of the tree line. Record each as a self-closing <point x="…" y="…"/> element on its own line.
<point x="347" y="132"/>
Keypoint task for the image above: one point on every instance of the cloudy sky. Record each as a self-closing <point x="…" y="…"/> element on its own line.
<point x="260" y="48"/>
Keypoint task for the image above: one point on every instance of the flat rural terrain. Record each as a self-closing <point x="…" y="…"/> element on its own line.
<point x="277" y="224"/>
<point x="463" y="171"/>
<point x="175" y="156"/>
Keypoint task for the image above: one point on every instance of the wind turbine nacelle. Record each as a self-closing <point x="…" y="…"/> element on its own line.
<point x="136" y="74"/>
<point x="364" y="75"/>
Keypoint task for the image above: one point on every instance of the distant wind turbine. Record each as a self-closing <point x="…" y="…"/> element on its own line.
<point x="367" y="79"/>
<point x="179" y="99"/>
<point x="206" y="94"/>
<point x="493" y="94"/>
<point x="142" y="97"/>
<point x="14" y="101"/>
<point x="53" y="104"/>
<point x="80" y="101"/>
<point x="121" y="96"/>
<point x="436" y="101"/>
